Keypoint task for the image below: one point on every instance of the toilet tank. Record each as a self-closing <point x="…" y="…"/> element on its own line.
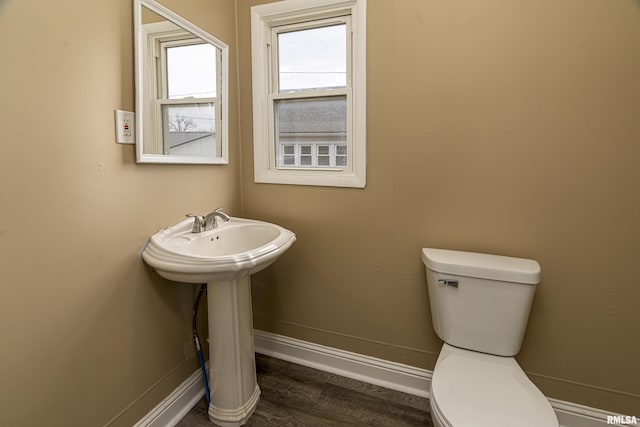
<point x="478" y="301"/>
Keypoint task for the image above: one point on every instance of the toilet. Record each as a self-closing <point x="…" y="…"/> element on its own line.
<point x="480" y="307"/>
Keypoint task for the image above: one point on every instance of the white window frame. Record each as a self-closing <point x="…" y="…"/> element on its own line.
<point x="159" y="36"/>
<point x="263" y="20"/>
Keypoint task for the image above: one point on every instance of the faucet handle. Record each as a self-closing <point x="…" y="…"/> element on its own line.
<point x="198" y="223"/>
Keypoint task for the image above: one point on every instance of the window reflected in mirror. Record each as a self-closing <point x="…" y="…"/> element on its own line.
<point x="180" y="90"/>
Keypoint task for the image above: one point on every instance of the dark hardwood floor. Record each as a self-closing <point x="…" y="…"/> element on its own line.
<point x="294" y="395"/>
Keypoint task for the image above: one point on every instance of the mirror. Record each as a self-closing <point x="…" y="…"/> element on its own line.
<point x="181" y="89"/>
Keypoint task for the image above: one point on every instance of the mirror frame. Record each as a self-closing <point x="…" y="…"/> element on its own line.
<point x="139" y="42"/>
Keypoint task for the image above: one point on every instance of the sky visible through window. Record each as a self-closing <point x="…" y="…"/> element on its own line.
<point x="308" y="59"/>
<point x="312" y="58"/>
<point x="191" y="73"/>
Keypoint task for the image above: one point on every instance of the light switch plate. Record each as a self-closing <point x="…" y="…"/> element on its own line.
<point x="125" y="127"/>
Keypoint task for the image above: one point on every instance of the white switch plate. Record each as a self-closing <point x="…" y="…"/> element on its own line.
<point x="125" y="125"/>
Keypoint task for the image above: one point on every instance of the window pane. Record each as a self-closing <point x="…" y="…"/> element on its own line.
<point x="305" y="155"/>
<point x="189" y="130"/>
<point x="323" y="155"/>
<point x="341" y="155"/>
<point x="288" y="155"/>
<point x="313" y="58"/>
<point x="303" y="122"/>
<point x="191" y="71"/>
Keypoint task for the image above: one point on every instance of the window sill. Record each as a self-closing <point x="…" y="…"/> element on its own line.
<point x="325" y="178"/>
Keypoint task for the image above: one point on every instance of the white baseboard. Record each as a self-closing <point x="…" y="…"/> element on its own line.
<point x="393" y="375"/>
<point x="175" y="406"/>
<point x="575" y="415"/>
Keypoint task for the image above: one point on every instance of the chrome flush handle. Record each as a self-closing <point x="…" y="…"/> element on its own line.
<point x="448" y="282"/>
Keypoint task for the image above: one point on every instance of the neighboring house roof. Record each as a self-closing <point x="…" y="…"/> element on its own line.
<point x="310" y="116"/>
<point x="181" y="138"/>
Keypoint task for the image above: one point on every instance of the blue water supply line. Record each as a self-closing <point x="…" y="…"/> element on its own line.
<point x="196" y="340"/>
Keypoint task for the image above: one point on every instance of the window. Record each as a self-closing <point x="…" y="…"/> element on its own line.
<point x="312" y="156"/>
<point x="183" y="93"/>
<point x="309" y="92"/>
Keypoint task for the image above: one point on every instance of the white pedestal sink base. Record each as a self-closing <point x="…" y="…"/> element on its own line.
<point x="224" y="258"/>
<point x="232" y="418"/>
<point x="232" y="363"/>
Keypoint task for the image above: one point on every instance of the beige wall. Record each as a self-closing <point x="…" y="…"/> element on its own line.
<point x="504" y="127"/>
<point x="508" y="127"/>
<point x="87" y="332"/>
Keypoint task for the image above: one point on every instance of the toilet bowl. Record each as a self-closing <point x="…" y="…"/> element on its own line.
<point x="476" y="389"/>
<point x="480" y="306"/>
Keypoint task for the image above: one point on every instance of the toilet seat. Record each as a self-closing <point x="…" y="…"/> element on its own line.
<point x="476" y="389"/>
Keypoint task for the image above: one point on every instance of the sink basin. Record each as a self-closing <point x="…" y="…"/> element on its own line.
<point x="236" y="247"/>
<point x="224" y="258"/>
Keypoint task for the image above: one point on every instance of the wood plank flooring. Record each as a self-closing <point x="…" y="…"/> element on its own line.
<point x="294" y="395"/>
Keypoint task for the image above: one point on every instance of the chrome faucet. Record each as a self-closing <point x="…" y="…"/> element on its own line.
<point x="209" y="222"/>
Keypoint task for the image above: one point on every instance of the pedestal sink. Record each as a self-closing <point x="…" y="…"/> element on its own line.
<point x="224" y="258"/>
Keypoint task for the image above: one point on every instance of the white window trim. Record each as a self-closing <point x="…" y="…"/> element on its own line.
<point x="158" y="36"/>
<point x="263" y="17"/>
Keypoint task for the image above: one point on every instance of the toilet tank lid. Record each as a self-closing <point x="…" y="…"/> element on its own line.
<point x="484" y="266"/>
